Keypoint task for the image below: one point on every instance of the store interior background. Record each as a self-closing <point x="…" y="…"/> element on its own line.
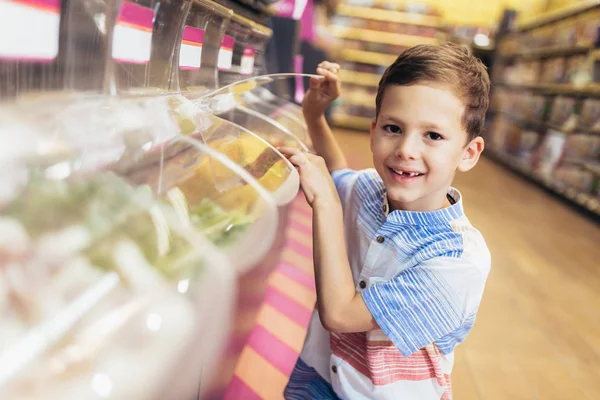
<point x="535" y="194"/>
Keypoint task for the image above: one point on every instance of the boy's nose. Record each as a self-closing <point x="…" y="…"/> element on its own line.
<point x="407" y="148"/>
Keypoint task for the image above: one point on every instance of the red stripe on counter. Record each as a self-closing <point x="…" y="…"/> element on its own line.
<point x="238" y="390"/>
<point x="297" y="226"/>
<point x="287" y="306"/>
<point x="304" y="210"/>
<point x="277" y="353"/>
<point x="299" y="248"/>
<point x="297" y="274"/>
<point x="271" y="350"/>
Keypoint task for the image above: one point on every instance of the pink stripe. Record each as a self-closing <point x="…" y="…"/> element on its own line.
<point x="277" y="353"/>
<point x="304" y="210"/>
<point x="227" y="41"/>
<point x="297" y="226"/>
<point x="125" y="61"/>
<point x="249" y="51"/>
<point x="297" y="275"/>
<point x="193" y="34"/>
<point x="190" y="68"/>
<point x="298" y="248"/>
<point x="239" y="390"/>
<point x="136" y="14"/>
<point x="236" y="344"/>
<point x="287" y="306"/>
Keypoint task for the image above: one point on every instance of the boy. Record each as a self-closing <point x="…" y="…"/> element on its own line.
<point x="391" y="309"/>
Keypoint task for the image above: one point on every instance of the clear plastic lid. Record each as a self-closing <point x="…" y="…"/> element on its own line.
<point x="241" y="103"/>
<point x="221" y="200"/>
<point x="98" y="282"/>
<point x="250" y="152"/>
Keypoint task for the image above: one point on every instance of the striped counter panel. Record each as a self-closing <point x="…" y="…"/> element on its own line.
<point x="277" y="337"/>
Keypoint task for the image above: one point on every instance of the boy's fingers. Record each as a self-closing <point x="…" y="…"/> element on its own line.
<point x="329" y="65"/>
<point x="329" y="75"/>
<point x="315" y="82"/>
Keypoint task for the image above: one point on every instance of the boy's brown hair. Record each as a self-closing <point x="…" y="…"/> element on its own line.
<point x="450" y="64"/>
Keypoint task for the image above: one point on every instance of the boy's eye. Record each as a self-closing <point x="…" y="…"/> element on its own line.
<point x="392" y="128"/>
<point x="434" y="136"/>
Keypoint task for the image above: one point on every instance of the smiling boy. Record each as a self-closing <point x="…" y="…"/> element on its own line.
<point x="399" y="269"/>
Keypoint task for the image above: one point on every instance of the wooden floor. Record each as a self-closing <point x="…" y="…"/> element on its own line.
<point x="537" y="335"/>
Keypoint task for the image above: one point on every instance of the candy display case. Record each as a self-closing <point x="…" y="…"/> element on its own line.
<point x="99" y="280"/>
<point x="135" y="221"/>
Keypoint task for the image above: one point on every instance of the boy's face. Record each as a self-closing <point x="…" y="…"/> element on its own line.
<point x="418" y="143"/>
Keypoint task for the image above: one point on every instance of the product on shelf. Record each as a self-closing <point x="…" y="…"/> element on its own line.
<point x="575" y="175"/>
<point x="553" y="70"/>
<point x="563" y="113"/>
<point x="582" y="146"/>
<point x="590" y="114"/>
<point x="549" y="153"/>
<point x="529" y="140"/>
<point x="587" y="31"/>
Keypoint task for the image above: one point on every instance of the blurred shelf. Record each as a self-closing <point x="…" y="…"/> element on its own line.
<point x="388" y="15"/>
<point x="564" y="12"/>
<point x="552" y="51"/>
<point x="363" y="101"/>
<point x="367" y="35"/>
<point x="359" y="78"/>
<point x="556" y="88"/>
<point x="352" y="122"/>
<point x="584" y="201"/>
<point x="368" y="57"/>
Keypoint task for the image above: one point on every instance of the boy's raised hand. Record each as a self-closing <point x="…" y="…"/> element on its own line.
<point x="323" y="90"/>
<point x="315" y="180"/>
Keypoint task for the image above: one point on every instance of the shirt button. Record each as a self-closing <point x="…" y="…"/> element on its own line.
<point x="334" y="369"/>
<point x="362" y="284"/>
<point x="380" y="239"/>
<point x="384" y="207"/>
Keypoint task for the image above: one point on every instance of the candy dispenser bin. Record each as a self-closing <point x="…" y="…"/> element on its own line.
<point x="99" y="280"/>
<point x="203" y="31"/>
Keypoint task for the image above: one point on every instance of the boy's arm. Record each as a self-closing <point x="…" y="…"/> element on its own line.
<point x="341" y="307"/>
<point x="322" y="92"/>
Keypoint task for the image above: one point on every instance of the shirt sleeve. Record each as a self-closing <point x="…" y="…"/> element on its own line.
<point x="426" y="303"/>
<point x="344" y="180"/>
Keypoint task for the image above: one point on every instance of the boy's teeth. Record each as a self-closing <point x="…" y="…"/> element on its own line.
<point x="406" y="173"/>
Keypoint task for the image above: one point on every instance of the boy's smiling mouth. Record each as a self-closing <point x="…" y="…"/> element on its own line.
<point x="404" y="175"/>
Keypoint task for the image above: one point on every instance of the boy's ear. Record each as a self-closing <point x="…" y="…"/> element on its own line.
<point x="373" y="125"/>
<point x="471" y="154"/>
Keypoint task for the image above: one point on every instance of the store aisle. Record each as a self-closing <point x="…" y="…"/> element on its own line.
<point x="537" y="335"/>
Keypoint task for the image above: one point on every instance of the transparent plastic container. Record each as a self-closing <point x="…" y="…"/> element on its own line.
<point x="145" y="41"/>
<point x="240" y="103"/>
<point x="244" y="148"/>
<point x="29" y="49"/>
<point x="223" y="201"/>
<point x="201" y="41"/>
<point x="243" y="49"/>
<point x="99" y="281"/>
